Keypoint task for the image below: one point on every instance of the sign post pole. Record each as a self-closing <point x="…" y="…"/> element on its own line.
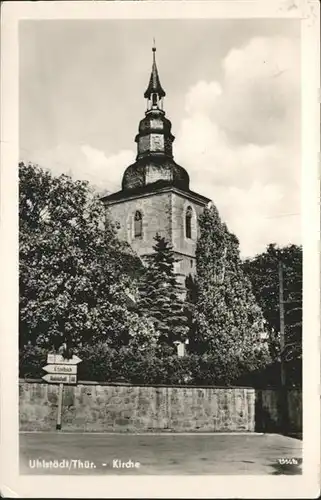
<point x="61" y="388"/>
<point x="61" y="371"/>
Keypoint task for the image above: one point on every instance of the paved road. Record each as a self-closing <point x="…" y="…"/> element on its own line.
<point x="158" y="454"/>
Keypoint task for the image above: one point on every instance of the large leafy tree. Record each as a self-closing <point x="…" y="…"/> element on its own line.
<point x="73" y="271"/>
<point x="160" y="294"/>
<point x="228" y="323"/>
<point x="263" y="271"/>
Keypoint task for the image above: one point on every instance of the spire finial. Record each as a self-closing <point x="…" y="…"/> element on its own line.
<point x="154" y="86"/>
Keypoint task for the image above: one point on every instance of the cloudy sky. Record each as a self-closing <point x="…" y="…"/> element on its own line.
<point x="233" y="96"/>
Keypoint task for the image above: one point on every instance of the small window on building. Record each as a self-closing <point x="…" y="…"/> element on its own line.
<point x="188" y="222"/>
<point x="138" y="225"/>
<point x="191" y="262"/>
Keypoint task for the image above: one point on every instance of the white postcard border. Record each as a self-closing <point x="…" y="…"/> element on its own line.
<point x="11" y="483"/>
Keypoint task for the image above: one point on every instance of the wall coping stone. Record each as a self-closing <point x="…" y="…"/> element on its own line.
<point x="127" y="384"/>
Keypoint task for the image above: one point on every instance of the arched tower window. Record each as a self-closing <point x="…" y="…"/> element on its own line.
<point x="188" y="222"/>
<point x="138" y="225"/>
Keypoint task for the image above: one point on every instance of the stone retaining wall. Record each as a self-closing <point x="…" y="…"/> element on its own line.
<point x="118" y="407"/>
<point x="268" y="411"/>
<point x="106" y="408"/>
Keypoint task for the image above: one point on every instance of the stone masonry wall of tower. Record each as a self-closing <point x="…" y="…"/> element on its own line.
<point x="156" y="216"/>
<point x="162" y="213"/>
<point x="155" y="195"/>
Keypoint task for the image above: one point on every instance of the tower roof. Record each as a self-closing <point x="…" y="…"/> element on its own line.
<point x="154" y="86"/>
<point x="154" y="165"/>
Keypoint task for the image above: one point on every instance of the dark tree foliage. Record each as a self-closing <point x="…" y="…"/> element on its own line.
<point x="72" y="272"/>
<point x="160" y="294"/>
<point x="228" y="324"/>
<point x="263" y="271"/>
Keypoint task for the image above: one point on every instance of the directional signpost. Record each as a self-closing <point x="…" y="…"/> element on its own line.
<point x="59" y="359"/>
<point x="52" y="378"/>
<point x="61" y="371"/>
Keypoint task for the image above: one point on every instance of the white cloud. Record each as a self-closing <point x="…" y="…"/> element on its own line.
<point x="261" y="91"/>
<point x="202" y="97"/>
<point x="261" y="57"/>
<point x="86" y="163"/>
<point x="240" y="140"/>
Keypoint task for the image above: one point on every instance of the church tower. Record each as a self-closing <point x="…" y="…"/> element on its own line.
<point x="155" y="195"/>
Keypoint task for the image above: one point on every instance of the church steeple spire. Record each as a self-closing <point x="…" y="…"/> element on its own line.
<point x="154" y="92"/>
<point x="154" y="163"/>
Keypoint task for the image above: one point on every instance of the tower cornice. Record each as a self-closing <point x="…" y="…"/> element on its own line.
<point x="123" y="196"/>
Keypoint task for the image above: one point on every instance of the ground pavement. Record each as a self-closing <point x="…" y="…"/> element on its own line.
<point x="93" y="453"/>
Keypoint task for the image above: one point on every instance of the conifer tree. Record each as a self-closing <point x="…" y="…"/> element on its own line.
<point x="160" y="294"/>
<point x="229" y="323"/>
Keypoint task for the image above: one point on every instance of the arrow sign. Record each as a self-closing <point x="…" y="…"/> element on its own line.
<point x="54" y="378"/>
<point x="63" y="369"/>
<point x="59" y="359"/>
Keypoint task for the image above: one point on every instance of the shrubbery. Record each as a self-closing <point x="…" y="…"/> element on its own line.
<point x="102" y="363"/>
<point x="31" y="361"/>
